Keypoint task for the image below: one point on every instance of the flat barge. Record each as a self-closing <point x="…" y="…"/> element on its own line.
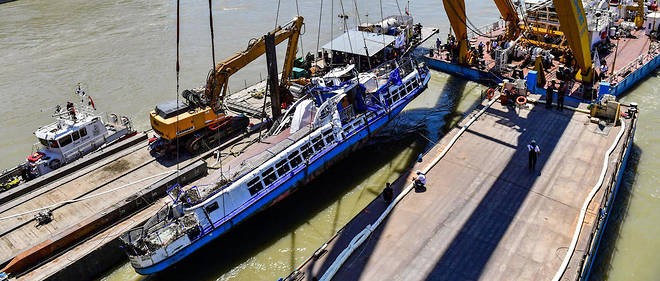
<point x="483" y="214"/>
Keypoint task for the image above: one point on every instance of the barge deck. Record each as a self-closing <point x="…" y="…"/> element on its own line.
<point x="483" y="214"/>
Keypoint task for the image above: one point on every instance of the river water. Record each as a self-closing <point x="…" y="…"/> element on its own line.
<point x="124" y="53"/>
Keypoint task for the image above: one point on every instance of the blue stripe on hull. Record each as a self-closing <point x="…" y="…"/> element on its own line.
<point x="300" y="178"/>
<point x="636" y="76"/>
<point x="468" y="73"/>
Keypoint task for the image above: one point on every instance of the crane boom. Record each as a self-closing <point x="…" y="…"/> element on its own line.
<point x="510" y="16"/>
<point x="216" y="84"/>
<point x="573" y="23"/>
<point x="455" y="10"/>
<point x="201" y="120"/>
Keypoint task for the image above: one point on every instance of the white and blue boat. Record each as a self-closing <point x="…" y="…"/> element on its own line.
<point x="337" y="114"/>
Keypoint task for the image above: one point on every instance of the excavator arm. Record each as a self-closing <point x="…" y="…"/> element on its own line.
<point x="510" y="16"/>
<point x="573" y="23"/>
<point x="216" y="83"/>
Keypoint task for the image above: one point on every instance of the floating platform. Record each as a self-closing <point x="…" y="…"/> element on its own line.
<point x="484" y="215"/>
<point x="632" y="60"/>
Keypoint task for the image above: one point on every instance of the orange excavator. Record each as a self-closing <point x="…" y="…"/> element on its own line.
<point x="201" y="121"/>
<point x="572" y="19"/>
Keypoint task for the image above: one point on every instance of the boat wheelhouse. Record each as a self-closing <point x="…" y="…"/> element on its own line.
<point x="76" y="132"/>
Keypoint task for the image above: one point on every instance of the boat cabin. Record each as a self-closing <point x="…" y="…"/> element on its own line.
<point x="66" y="140"/>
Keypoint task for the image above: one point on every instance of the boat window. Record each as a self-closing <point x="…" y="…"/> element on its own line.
<point x="211" y="207"/>
<point x="83" y="132"/>
<point x="43" y="142"/>
<point x="295" y="159"/>
<point x="306" y="151"/>
<point x="269" y="176"/>
<point x="255" y="185"/>
<point x="75" y="135"/>
<point x="53" y="143"/>
<point x="318" y="143"/>
<point x="282" y="167"/>
<point x="65" y="140"/>
<point x="329" y="138"/>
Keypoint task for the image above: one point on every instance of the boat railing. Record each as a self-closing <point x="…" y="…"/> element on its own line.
<point x="634" y="64"/>
<point x="486" y="29"/>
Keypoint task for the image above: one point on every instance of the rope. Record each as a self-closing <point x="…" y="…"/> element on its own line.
<point x="586" y="203"/>
<point x="58" y="204"/>
<point x="364" y="234"/>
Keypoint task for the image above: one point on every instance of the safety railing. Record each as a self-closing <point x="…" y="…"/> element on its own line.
<point x="603" y="210"/>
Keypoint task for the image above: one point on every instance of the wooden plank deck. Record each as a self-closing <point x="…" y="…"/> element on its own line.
<point x="484" y="215"/>
<point x="109" y="235"/>
<point x="20" y="233"/>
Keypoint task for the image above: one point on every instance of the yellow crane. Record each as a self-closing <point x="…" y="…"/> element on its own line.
<point x="203" y="120"/>
<point x="573" y="23"/>
<point x="510" y="16"/>
<point x="458" y="20"/>
<point x="572" y="20"/>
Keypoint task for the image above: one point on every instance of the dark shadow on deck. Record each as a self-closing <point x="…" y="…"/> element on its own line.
<point x="471" y="249"/>
<point x="431" y="123"/>
<point x="264" y="229"/>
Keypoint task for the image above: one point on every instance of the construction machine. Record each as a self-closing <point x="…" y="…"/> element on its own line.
<point x="573" y="26"/>
<point x="458" y="20"/>
<point x="201" y="121"/>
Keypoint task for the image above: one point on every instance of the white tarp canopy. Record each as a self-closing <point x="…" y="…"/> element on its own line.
<point x="354" y="41"/>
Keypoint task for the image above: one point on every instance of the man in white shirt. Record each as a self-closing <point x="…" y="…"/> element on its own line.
<point x="534" y="151"/>
<point x="420" y="180"/>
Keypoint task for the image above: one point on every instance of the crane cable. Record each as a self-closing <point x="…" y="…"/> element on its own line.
<point x="343" y="12"/>
<point x="359" y="238"/>
<point x="359" y="21"/>
<point x="318" y="35"/>
<point x="302" y="50"/>
<point x="277" y="14"/>
<point x="178" y="67"/>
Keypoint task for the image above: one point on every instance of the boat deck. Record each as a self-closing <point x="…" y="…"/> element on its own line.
<point x="630" y="53"/>
<point x="484" y="215"/>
